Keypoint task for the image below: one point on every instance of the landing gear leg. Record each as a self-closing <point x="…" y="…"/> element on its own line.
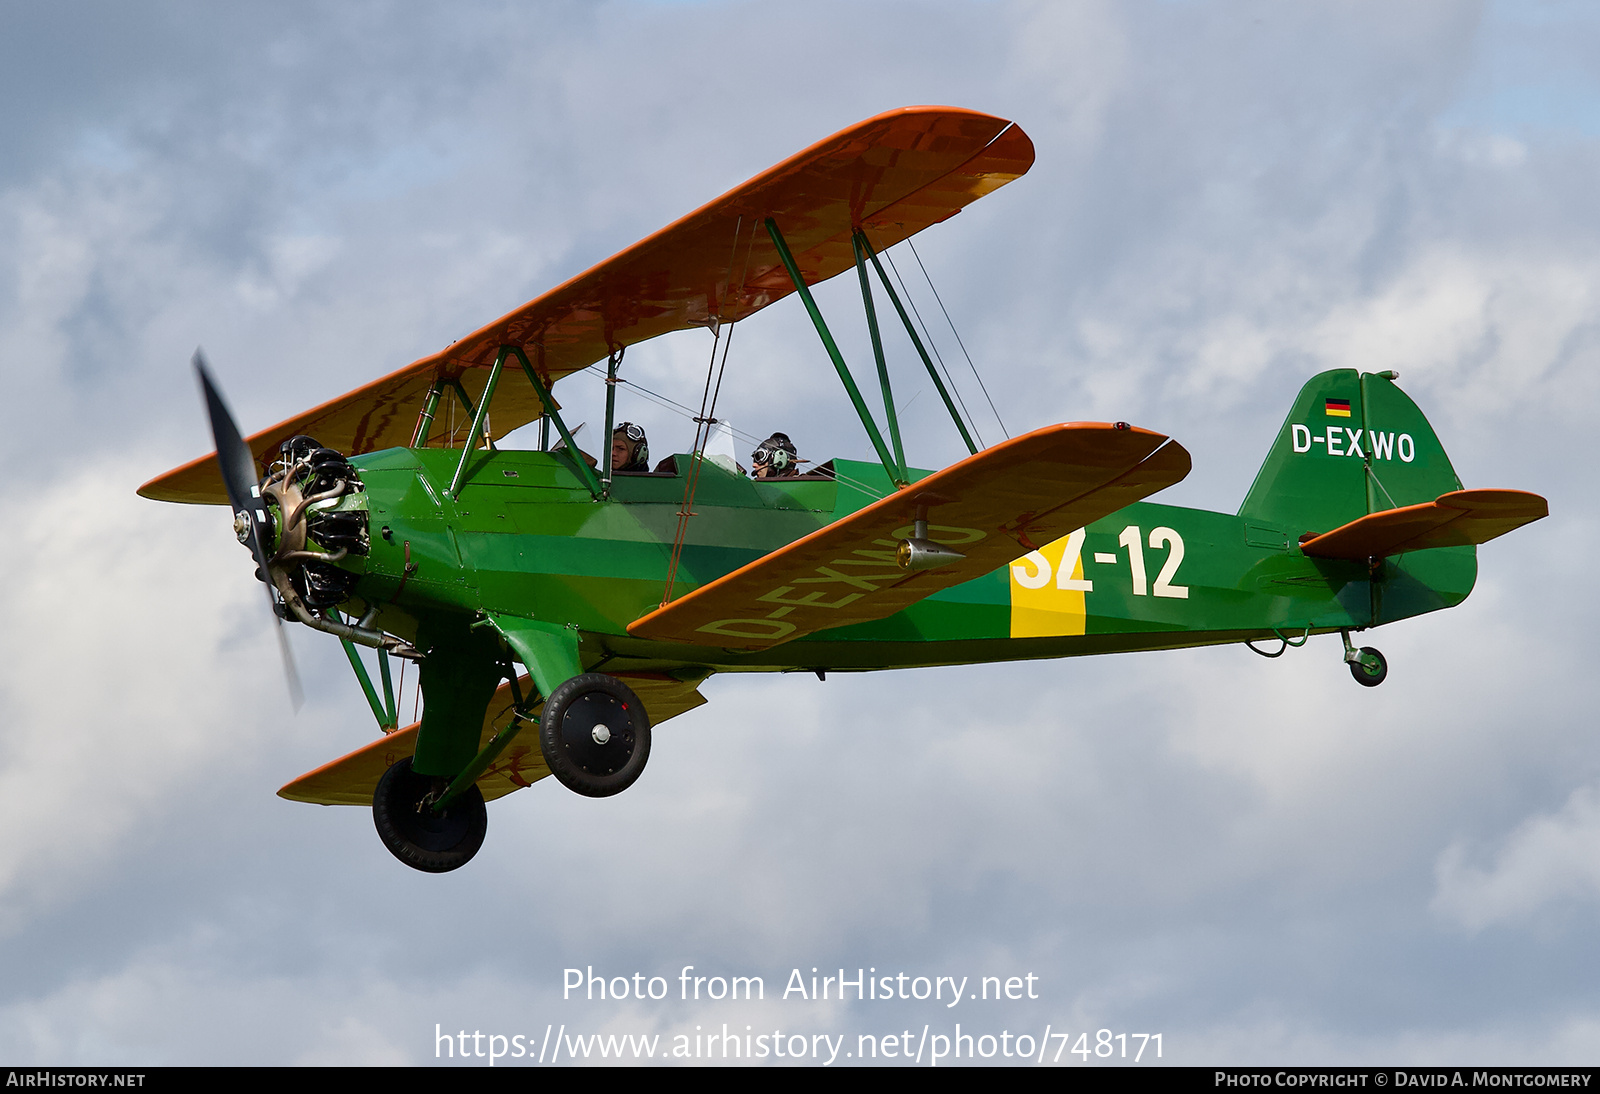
<point x="1367" y="665"/>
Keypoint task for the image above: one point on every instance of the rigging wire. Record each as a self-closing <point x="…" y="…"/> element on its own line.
<point x="707" y="416"/>
<point x="702" y="437"/>
<point x="959" y="342"/>
<point x="933" y="345"/>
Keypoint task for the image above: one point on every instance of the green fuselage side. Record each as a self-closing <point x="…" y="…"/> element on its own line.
<point x="526" y="538"/>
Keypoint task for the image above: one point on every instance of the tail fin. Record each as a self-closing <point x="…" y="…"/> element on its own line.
<point x="1353" y="444"/>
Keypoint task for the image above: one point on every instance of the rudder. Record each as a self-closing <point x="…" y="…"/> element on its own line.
<point x="1352" y="444"/>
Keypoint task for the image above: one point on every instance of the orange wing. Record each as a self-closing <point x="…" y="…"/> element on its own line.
<point x="1453" y="520"/>
<point x="892" y="175"/>
<point x="351" y="779"/>
<point x="992" y="508"/>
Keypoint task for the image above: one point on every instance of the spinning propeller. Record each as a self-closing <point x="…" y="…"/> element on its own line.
<point x="239" y="476"/>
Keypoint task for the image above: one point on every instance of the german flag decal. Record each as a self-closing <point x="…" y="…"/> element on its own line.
<point x="1337" y="408"/>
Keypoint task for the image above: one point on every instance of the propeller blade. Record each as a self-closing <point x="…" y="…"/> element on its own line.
<point x="291" y="677"/>
<point x="238" y="468"/>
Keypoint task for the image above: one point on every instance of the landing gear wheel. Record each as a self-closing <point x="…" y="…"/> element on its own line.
<point x="414" y="834"/>
<point x="1369" y="669"/>
<point x="595" y="735"/>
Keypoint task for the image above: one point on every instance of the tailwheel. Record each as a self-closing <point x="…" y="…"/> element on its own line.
<point x="595" y="735"/>
<point x="1367" y="665"/>
<point x="414" y="833"/>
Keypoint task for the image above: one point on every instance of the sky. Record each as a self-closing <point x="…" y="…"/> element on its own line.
<point x="1257" y="860"/>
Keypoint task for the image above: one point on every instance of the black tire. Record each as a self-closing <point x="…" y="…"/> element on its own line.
<point x="595" y="735"/>
<point x="423" y="840"/>
<point x="1368" y="677"/>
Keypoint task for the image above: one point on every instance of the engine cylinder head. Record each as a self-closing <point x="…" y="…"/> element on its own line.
<point x="309" y="486"/>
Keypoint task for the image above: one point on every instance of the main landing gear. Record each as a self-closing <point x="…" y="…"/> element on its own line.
<point x="1367" y="665"/>
<point x="417" y="835"/>
<point x="595" y="735"/>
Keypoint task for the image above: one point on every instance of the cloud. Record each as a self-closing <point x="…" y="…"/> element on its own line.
<point x="1549" y="859"/>
<point x="101" y="737"/>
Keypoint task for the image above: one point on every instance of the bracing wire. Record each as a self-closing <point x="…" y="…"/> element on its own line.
<point x="933" y="345"/>
<point x="706" y="418"/>
<point x="959" y="342"/>
<point x="696" y="462"/>
<point x="702" y="435"/>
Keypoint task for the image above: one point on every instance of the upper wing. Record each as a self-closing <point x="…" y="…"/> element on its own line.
<point x="992" y="508"/>
<point x="1453" y="520"/>
<point x="352" y="778"/>
<point x="892" y="175"/>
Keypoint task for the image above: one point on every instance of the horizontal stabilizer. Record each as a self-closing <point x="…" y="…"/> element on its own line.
<point x="990" y="509"/>
<point x="351" y="779"/>
<point x="1458" y="519"/>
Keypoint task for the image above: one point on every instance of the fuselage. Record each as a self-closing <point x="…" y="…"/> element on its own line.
<point x="525" y="537"/>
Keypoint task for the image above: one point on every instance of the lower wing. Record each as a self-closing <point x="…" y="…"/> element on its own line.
<point x="982" y="513"/>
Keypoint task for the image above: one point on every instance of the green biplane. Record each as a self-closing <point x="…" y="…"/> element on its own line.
<point x="403" y="528"/>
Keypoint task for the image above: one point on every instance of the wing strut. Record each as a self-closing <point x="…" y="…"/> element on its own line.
<point x="895" y="463"/>
<point x="430" y="406"/>
<point x="384" y="710"/>
<point x="584" y="470"/>
<point x="478" y="421"/>
<point x="856" y="240"/>
<point x="613" y="361"/>
<point x="863" y="244"/>
<point x="896" y="475"/>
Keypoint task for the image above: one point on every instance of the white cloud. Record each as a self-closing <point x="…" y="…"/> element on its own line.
<point x="128" y="673"/>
